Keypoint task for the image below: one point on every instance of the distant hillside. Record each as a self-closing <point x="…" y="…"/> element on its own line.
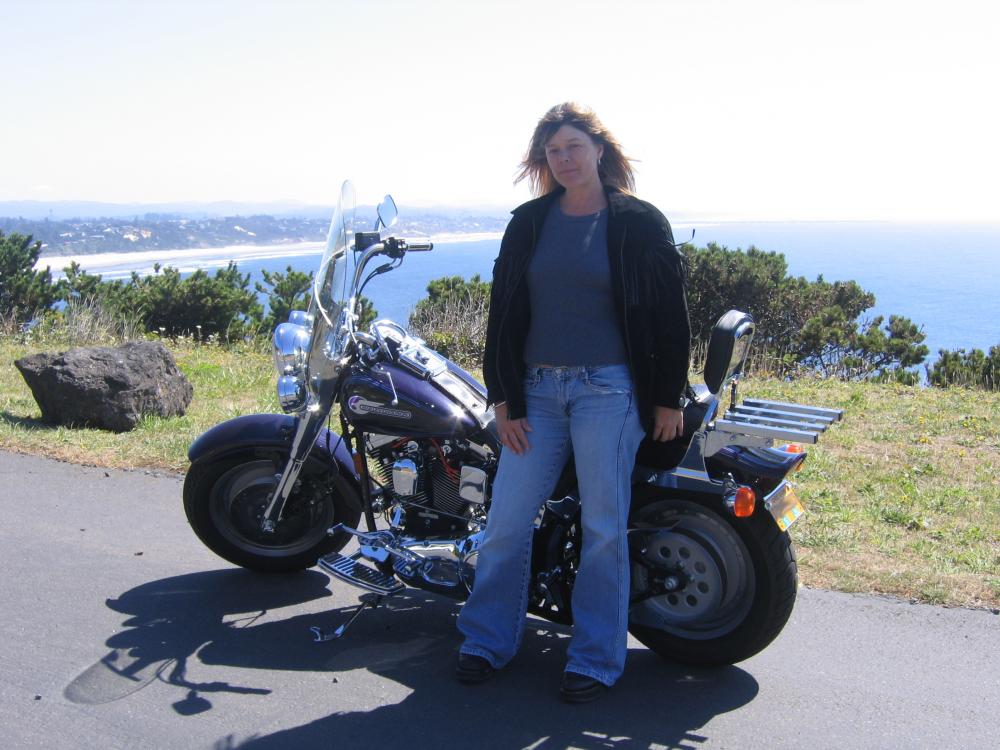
<point x="66" y="210"/>
<point x="172" y="231"/>
<point x="83" y="237"/>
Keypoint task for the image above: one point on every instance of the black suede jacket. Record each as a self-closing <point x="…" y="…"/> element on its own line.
<point x="648" y="282"/>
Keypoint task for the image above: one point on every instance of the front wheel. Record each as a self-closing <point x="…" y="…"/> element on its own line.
<point x="708" y="588"/>
<point x="225" y="498"/>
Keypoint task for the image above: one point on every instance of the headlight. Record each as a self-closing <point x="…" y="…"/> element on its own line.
<point x="291" y="393"/>
<point x="291" y="348"/>
<point x="301" y="318"/>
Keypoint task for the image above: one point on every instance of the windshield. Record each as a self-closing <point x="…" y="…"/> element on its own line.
<point x="330" y="287"/>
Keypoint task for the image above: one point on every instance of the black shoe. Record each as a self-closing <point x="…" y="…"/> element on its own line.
<point x="472" y="669"/>
<point x="579" y="688"/>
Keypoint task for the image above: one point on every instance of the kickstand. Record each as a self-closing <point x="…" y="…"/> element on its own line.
<point x="332" y="634"/>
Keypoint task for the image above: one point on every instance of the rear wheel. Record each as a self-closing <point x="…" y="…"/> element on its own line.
<point x="225" y="499"/>
<point x="708" y="588"/>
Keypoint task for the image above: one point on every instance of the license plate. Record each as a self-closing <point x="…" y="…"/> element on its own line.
<point x="785" y="506"/>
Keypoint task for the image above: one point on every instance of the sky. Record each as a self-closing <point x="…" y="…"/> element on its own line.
<point x="767" y="110"/>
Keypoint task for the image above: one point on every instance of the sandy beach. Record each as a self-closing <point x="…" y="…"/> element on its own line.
<point x="146" y="258"/>
<point x="189" y="259"/>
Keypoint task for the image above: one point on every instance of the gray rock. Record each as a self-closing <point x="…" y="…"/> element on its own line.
<point x="105" y="387"/>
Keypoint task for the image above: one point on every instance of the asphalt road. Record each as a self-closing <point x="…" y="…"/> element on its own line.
<point x="120" y="630"/>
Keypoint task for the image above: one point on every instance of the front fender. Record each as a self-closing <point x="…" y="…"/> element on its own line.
<point x="272" y="431"/>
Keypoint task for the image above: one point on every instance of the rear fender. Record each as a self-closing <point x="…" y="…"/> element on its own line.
<point x="780" y="502"/>
<point x="273" y="431"/>
<point x="647" y="494"/>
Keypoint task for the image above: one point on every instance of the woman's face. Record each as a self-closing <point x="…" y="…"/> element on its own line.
<point x="572" y="156"/>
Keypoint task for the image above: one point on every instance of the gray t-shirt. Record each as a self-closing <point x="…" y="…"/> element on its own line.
<point x="573" y="319"/>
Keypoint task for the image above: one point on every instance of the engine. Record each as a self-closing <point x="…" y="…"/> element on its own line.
<point x="434" y="488"/>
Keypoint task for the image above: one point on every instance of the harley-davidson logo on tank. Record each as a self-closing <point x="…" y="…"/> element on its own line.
<point x="360" y="405"/>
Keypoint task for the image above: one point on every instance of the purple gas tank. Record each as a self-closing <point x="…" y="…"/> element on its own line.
<point x="390" y="400"/>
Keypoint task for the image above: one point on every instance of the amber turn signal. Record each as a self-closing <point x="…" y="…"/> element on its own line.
<point x="744" y="502"/>
<point x="792" y="448"/>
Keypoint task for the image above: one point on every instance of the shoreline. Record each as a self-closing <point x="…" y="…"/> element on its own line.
<point x="94" y="261"/>
<point x="164" y="257"/>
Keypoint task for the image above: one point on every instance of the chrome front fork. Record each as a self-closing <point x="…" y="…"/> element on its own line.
<point x="305" y="434"/>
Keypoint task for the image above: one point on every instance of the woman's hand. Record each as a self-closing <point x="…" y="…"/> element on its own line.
<point x="513" y="432"/>
<point x="668" y="423"/>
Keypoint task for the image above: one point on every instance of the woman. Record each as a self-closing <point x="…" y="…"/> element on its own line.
<point x="587" y="348"/>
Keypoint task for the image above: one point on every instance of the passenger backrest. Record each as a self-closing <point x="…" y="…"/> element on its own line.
<point x="728" y="349"/>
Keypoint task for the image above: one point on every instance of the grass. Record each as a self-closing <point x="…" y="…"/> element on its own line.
<point x="901" y="497"/>
<point x="227" y="383"/>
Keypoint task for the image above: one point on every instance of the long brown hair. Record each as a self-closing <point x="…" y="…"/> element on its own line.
<point x="614" y="169"/>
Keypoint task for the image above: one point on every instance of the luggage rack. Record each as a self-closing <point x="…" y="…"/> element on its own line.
<point x="753" y="423"/>
<point x="758" y="422"/>
<point x="778" y="420"/>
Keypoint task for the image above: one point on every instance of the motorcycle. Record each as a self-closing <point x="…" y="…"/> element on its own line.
<point x="713" y="570"/>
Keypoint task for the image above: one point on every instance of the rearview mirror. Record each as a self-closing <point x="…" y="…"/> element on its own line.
<point x="387" y="212"/>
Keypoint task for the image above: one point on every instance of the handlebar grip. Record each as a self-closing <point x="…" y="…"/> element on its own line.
<point x="419" y="246"/>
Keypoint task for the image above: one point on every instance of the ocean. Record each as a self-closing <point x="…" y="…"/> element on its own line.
<point x="943" y="277"/>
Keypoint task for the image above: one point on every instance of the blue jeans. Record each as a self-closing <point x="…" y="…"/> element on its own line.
<point x="590" y="411"/>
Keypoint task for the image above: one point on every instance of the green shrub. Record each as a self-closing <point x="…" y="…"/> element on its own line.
<point x="285" y="292"/>
<point x="222" y="305"/>
<point x="973" y="369"/>
<point x="24" y="292"/>
<point x="801" y="324"/>
<point x="366" y="312"/>
<point x="452" y="318"/>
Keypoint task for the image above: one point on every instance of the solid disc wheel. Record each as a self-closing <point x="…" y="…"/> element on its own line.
<point x="708" y="588"/>
<point x="225" y="500"/>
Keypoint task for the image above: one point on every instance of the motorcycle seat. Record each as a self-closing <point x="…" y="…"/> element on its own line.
<point x="724" y="361"/>
<point x="662" y="456"/>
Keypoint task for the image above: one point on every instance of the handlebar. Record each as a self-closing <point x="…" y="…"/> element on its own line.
<point x="396" y="248"/>
<point x="392" y="247"/>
